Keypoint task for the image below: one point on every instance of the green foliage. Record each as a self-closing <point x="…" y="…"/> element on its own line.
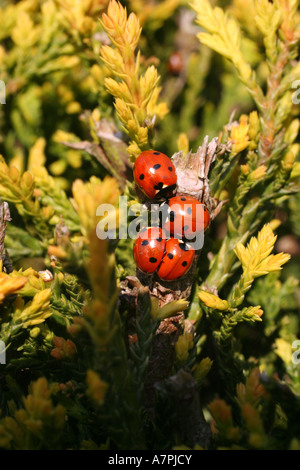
<point x="97" y="357"/>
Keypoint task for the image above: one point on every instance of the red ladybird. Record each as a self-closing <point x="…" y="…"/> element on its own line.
<point x="175" y="63"/>
<point x="154" y="173"/>
<point x="186" y="217"/>
<point x="176" y="261"/>
<point x="149" y="248"/>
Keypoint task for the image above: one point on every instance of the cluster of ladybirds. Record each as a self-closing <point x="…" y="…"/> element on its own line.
<point x="164" y="249"/>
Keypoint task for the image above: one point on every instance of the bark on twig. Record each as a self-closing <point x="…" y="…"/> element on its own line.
<point x="192" y="427"/>
<point x="4" y="218"/>
<point x="161" y="359"/>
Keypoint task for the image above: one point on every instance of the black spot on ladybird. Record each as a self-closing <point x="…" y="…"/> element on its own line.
<point x="159" y="239"/>
<point x="145" y="242"/>
<point x="142" y="176"/>
<point x="152" y="260"/>
<point x="170" y="256"/>
<point x="170" y="168"/>
<point x="183" y="199"/>
<point x="156" y="166"/>
<point x="184" y="263"/>
<point x="156" y="153"/>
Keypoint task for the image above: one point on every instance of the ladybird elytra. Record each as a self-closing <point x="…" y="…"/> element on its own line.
<point x="154" y="174"/>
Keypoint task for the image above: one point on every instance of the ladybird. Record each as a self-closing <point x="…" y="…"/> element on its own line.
<point x="149" y="248"/>
<point x="155" y="174"/>
<point x="175" y="63"/>
<point x="176" y="261"/>
<point x="186" y="217"/>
